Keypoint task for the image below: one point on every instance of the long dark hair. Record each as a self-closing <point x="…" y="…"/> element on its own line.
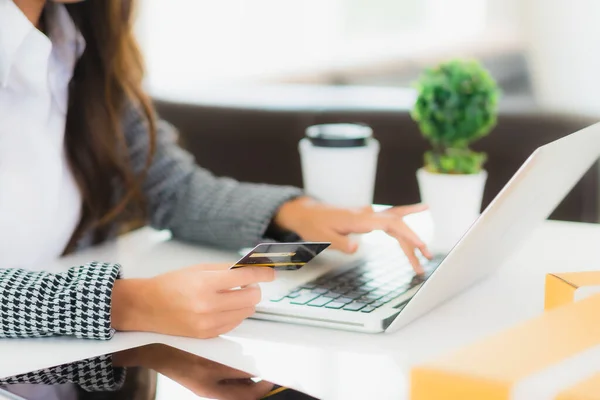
<point x="106" y="78"/>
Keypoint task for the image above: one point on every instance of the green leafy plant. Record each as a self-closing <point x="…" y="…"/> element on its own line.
<point x="457" y="104"/>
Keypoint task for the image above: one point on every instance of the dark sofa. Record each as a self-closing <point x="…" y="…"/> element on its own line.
<point x="251" y="134"/>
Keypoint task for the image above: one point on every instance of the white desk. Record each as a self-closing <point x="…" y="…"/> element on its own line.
<point x="325" y="363"/>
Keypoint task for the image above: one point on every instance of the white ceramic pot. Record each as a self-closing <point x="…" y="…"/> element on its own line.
<point x="454" y="202"/>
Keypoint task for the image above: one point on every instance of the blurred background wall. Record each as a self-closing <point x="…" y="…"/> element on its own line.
<point x="381" y="42"/>
<point x="259" y="71"/>
<point x="543" y="52"/>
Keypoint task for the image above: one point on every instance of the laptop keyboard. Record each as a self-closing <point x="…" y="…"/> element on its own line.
<point x="363" y="288"/>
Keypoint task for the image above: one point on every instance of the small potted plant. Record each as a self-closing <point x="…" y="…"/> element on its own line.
<point x="457" y="103"/>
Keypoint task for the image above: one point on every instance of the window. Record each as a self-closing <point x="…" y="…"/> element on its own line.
<point x="199" y="42"/>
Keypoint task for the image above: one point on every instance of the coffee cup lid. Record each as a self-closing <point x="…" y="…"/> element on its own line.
<point x="339" y="135"/>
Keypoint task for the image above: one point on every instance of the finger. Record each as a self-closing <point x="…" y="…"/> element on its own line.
<point x="244" y="276"/>
<point x="222" y="330"/>
<point x="248" y="296"/>
<point x="230" y="375"/>
<point x="391" y="224"/>
<point x="341" y="242"/>
<point x="241" y="390"/>
<point x="261" y="389"/>
<point x="222" y="322"/>
<point x="366" y="209"/>
<point x="212" y="267"/>
<point x="225" y="373"/>
<point x="225" y="329"/>
<point x="365" y="223"/>
<point x="399" y="229"/>
<point x="425" y="251"/>
<point x="409" y="251"/>
<point x="406" y="210"/>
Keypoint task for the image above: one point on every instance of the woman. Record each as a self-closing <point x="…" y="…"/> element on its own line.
<point x="82" y="154"/>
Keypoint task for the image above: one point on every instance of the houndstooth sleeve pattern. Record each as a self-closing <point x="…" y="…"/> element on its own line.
<point x="96" y="374"/>
<point x="75" y="303"/>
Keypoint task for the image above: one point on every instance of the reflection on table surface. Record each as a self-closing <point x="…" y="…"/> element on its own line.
<point x="154" y="371"/>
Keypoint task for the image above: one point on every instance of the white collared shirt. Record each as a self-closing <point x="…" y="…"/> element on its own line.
<point x="40" y="203"/>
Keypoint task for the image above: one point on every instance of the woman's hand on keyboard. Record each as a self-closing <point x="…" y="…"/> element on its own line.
<point x="315" y="221"/>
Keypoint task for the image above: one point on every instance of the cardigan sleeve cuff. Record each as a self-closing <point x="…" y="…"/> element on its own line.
<point x="74" y="303"/>
<point x="93" y="300"/>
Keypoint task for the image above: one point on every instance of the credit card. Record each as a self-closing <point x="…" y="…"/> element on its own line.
<point x="282" y="256"/>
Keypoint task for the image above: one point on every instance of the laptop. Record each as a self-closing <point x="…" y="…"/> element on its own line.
<point x="380" y="293"/>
